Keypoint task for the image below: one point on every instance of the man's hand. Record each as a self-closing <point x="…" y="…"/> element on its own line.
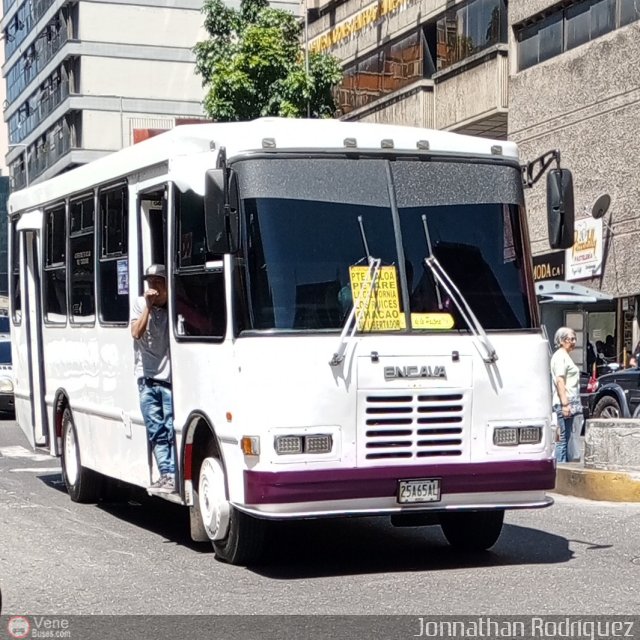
<point x="151" y="297"/>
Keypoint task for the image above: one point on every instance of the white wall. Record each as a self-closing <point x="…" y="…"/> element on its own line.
<point x="126" y="24"/>
<point x="152" y="79"/>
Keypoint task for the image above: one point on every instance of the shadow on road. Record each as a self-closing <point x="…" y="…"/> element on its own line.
<point x="372" y="545"/>
<point x="338" y="546"/>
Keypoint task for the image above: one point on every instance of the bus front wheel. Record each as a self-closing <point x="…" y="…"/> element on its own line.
<point x="472" y="530"/>
<point x="83" y="485"/>
<point x="236" y="537"/>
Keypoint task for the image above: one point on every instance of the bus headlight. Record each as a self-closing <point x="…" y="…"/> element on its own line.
<point x="285" y="445"/>
<point x="505" y="436"/>
<point x="313" y="443"/>
<point x="6" y="386"/>
<point x="318" y="443"/>
<point x="529" y="435"/>
<point x="512" y="436"/>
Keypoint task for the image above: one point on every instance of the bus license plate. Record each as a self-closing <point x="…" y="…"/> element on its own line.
<point x="423" y="490"/>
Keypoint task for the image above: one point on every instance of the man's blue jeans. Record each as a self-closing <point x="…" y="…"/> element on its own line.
<point x="157" y="410"/>
<point x="566" y="427"/>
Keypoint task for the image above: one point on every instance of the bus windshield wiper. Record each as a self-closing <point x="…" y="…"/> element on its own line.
<point x="443" y="280"/>
<point x="360" y="305"/>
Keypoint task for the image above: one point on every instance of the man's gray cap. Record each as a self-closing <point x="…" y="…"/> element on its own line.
<point x="156" y="270"/>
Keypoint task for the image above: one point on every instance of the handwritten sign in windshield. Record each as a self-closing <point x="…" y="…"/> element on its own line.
<point x="382" y="313"/>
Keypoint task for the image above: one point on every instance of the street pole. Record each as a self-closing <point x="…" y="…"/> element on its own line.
<point x="306" y="50"/>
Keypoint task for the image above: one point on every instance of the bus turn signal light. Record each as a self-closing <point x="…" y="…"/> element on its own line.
<point x="250" y="445"/>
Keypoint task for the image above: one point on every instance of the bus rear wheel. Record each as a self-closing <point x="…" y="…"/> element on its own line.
<point x="472" y="530"/>
<point x="236" y="537"/>
<point x="83" y="485"/>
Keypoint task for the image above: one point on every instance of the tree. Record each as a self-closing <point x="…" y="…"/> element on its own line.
<point x="253" y="65"/>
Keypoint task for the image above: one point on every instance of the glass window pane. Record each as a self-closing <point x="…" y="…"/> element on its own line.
<point x="479" y="258"/>
<point x="82" y="278"/>
<point x="113" y="283"/>
<point x="629" y="11"/>
<point x="55" y="236"/>
<point x="200" y="305"/>
<point x="114" y="291"/>
<point x="528" y="46"/>
<point x="191" y="230"/>
<point x="5" y="352"/>
<point x="16" y="298"/>
<point x="113" y="205"/>
<point x="550" y="37"/>
<point x="603" y="17"/>
<point x="55" y="295"/>
<point x="578" y="25"/>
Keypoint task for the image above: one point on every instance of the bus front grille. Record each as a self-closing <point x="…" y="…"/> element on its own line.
<point x="421" y="425"/>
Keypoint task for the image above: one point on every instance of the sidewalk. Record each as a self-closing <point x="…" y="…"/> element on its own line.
<point x="609" y="468"/>
<point x="573" y="479"/>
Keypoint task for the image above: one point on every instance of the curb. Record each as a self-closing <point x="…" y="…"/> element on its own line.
<point x="596" y="484"/>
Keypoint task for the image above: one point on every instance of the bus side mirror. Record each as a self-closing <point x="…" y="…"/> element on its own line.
<point x="560" y="210"/>
<point x="221" y="211"/>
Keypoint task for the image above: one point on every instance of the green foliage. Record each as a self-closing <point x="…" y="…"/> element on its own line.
<point x="253" y="65"/>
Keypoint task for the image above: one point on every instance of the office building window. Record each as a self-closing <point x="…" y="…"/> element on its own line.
<point x="390" y="68"/>
<point x="629" y="11"/>
<point x="569" y="27"/>
<point x="468" y="29"/>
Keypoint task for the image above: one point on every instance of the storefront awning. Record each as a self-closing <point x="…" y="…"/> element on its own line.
<point x="568" y="292"/>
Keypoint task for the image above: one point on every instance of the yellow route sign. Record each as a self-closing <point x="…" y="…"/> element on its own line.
<point x="432" y="321"/>
<point x="383" y="311"/>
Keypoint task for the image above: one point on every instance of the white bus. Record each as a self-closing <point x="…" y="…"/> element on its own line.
<point x="353" y="325"/>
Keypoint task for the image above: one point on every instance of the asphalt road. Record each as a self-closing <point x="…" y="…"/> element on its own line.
<point x="136" y="557"/>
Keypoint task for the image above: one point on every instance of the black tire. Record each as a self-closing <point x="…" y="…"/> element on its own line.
<point x="244" y="542"/>
<point x="472" y="530"/>
<point x="83" y="485"/>
<point x="236" y="537"/>
<point x="607" y="407"/>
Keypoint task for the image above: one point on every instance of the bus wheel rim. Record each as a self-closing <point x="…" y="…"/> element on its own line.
<point x="71" y="457"/>
<point x="214" y="505"/>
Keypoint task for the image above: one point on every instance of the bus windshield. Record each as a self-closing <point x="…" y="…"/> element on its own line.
<point x="309" y="225"/>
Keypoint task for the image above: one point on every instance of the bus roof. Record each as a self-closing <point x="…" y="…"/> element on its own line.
<point x="239" y="137"/>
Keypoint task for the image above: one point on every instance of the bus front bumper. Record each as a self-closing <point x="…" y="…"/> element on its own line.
<point x="371" y="491"/>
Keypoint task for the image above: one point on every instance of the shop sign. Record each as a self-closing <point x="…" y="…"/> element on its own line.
<point x="548" y="266"/>
<point x="584" y="258"/>
<point x="355" y="24"/>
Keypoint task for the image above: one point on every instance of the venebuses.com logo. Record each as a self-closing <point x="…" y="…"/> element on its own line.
<point x="18" y="627"/>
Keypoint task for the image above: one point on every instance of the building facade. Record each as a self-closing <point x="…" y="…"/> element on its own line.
<point x="429" y="63"/>
<point x="547" y="74"/>
<point x="574" y="86"/>
<point x="82" y="76"/>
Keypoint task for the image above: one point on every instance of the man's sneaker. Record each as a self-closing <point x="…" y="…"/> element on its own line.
<point x="165" y="484"/>
<point x="169" y="483"/>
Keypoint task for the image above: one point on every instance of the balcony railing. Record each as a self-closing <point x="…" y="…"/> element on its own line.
<point x="57" y="145"/>
<point x="25" y="70"/>
<point x="20" y="127"/>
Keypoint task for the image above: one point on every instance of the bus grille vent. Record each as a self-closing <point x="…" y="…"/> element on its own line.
<point x="413" y="426"/>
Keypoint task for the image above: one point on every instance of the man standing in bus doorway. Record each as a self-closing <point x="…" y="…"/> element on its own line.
<point x="150" y="331"/>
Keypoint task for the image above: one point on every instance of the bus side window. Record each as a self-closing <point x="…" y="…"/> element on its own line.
<point x="55" y="270"/>
<point x="199" y="290"/>
<point x="113" y="266"/>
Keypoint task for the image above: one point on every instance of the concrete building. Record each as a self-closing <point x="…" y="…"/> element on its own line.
<point x="547" y="74"/>
<point x="430" y="63"/>
<point x="574" y="86"/>
<point x="82" y="77"/>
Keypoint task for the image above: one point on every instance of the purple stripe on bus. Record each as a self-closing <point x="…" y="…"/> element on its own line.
<point x="262" y="487"/>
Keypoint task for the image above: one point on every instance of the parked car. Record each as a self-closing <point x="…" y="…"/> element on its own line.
<point x="617" y="395"/>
